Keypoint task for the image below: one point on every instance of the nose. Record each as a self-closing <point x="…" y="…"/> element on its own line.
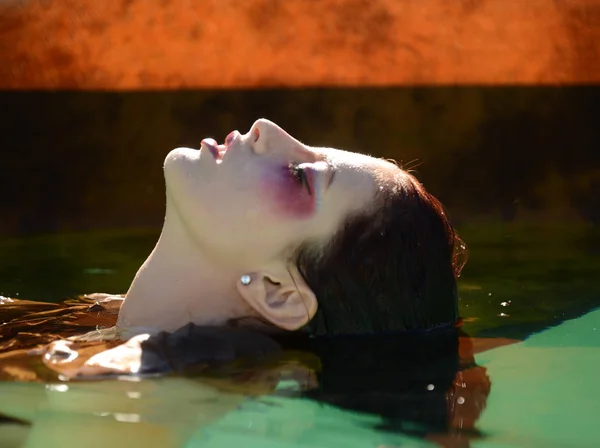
<point x="266" y="136"/>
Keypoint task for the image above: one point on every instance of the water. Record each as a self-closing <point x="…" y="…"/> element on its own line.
<point x="527" y="378"/>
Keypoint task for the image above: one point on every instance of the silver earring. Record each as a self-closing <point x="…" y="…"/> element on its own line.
<point x="245" y="279"/>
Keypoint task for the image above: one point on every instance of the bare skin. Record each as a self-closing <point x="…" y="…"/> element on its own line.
<point x="237" y="209"/>
<point x="232" y="210"/>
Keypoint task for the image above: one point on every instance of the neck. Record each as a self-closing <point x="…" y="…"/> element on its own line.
<point x="177" y="285"/>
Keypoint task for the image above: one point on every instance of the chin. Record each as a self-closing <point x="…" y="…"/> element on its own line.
<point x="180" y="166"/>
<point x="181" y="156"/>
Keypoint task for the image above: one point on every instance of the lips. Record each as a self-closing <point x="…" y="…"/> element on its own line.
<point x="217" y="151"/>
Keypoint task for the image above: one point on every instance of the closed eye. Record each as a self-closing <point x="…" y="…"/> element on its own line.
<point x="299" y="174"/>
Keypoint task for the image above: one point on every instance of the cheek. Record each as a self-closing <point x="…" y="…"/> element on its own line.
<point x="289" y="198"/>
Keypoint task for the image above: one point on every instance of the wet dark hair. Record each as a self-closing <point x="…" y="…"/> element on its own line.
<point x="389" y="376"/>
<point x="413" y="381"/>
<point x="390" y="268"/>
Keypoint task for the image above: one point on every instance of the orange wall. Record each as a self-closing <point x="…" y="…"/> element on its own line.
<point x="156" y="44"/>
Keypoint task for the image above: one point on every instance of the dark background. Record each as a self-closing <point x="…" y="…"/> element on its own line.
<point x="74" y="160"/>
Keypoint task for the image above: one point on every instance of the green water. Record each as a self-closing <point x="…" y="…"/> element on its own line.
<point x="543" y="274"/>
<point x="52" y="268"/>
<point x="531" y="283"/>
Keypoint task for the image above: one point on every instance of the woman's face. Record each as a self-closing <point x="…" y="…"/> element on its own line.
<point x="263" y="192"/>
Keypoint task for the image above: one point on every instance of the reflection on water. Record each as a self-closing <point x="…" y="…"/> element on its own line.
<point x="446" y="390"/>
<point x="420" y="385"/>
<point x="181" y="412"/>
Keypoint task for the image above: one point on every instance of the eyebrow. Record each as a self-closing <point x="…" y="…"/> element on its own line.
<point x="332" y="168"/>
<point x="333" y="173"/>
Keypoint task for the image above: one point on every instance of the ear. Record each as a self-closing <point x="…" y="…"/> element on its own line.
<point x="280" y="296"/>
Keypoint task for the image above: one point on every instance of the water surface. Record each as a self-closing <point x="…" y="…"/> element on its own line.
<point x="529" y="297"/>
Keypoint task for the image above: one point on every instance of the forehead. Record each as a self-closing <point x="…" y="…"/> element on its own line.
<point x="359" y="179"/>
<point x="376" y="169"/>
